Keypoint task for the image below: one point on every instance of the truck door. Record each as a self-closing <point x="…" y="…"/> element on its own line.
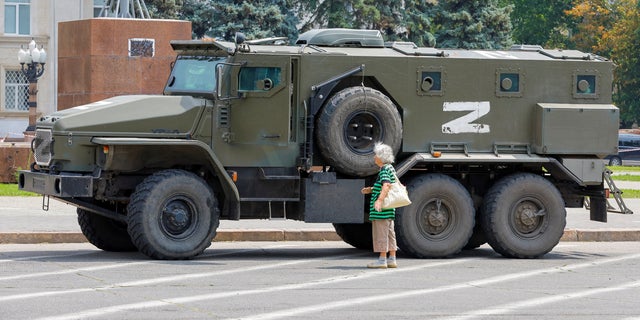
<point x="261" y="120"/>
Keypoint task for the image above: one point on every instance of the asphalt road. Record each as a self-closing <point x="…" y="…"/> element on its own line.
<point x="317" y="280"/>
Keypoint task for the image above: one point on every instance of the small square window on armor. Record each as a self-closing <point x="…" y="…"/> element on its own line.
<point x="509" y="83"/>
<point x="585" y="84"/>
<point x="430" y="82"/>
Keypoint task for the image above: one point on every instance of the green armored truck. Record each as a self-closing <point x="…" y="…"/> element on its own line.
<point x="492" y="145"/>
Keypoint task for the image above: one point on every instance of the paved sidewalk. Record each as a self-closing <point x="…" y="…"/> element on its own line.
<point x="24" y="221"/>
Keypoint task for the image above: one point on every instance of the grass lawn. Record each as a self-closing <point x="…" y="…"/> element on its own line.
<point x="629" y="194"/>
<point x="624" y="168"/>
<point x="11" y="189"/>
<point x="626" y="177"/>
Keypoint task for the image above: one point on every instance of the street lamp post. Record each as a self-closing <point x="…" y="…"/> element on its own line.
<point x="32" y="62"/>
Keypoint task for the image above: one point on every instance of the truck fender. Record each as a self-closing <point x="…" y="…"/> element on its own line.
<point x="229" y="188"/>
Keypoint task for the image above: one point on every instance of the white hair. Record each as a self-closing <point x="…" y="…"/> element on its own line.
<point x="383" y="152"/>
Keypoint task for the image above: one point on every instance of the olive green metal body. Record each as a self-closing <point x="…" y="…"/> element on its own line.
<point x="264" y="113"/>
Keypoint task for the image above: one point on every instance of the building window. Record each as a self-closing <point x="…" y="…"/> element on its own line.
<point x="16" y="92"/>
<point x="17" y="17"/>
<point x="142" y="47"/>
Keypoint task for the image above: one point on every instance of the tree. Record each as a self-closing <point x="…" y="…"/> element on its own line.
<point x="353" y="14"/>
<point x="541" y="22"/>
<point x="390" y="19"/>
<point x="164" y="9"/>
<point x="473" y="24"/>
<point x="221" y="19"/>
<point x="625" y="39"/>
<point x="418" y="19"/>
<point x="383" y="15"/>
<point x="594" y="20"/>
<point x="198" y="13"/>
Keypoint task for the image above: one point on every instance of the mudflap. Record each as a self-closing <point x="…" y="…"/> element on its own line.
<point x="598" y="208"/>
<point x="332" y="200"/>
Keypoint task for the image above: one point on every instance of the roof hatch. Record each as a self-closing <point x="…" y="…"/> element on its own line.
<point x="342" y="38"/>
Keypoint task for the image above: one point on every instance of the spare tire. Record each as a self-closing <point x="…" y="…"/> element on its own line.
<point x="349" y="125"/>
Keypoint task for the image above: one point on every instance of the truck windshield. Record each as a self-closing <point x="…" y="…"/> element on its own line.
<point x="193" y="75"/>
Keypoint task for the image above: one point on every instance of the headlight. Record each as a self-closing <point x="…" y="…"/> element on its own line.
<point x="42" y="147"/>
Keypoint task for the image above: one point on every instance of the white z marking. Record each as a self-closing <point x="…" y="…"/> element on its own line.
<point x="463" y="124"/>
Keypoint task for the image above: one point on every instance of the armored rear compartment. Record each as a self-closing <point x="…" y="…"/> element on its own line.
<point x="481" y="100"/>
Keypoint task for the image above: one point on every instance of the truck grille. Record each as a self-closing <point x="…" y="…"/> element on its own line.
<point x="41" y="147"/>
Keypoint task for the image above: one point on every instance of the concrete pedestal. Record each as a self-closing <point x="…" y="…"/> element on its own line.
<point x="101" y="58"/>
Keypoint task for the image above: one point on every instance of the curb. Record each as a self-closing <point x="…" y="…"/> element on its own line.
<point x="222" y="235"/>
<point x="601" y="235"/>
<point x="296" y="235"/>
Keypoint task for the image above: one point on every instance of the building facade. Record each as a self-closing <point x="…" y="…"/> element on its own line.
<point x="24" y="20"/>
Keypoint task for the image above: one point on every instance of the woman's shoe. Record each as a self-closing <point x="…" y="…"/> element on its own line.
<point x="378" y="264"/>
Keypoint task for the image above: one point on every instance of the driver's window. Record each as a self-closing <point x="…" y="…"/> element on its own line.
<point x="258" y="78"/>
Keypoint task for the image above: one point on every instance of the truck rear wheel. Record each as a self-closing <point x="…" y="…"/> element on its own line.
<point x="440" y="220"/>
<point x="477" y="238"/>
<point x="104" y="233"/>
<point x="350" y="124"/>
<point x="355" y="234"/>
<point x="173" y="214"/>
<point x="524" y="216"/>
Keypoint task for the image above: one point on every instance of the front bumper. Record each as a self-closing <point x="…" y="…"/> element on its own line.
<point x="62" y="185"/>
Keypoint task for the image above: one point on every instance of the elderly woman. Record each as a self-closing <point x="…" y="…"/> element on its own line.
<point x="384" y="235"/>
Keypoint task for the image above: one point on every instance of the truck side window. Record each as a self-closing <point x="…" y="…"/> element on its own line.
<point x="258" y="78"/>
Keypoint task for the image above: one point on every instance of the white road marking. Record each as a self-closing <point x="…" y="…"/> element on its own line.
<point x="511" y="307"/>
<point x="137" y="282"/>
<point x="152" y="281"/>
<point x="76" y="270"/>
<point x="471" y="284"/>
<point x="43" y="257"/>
<point x="188" y="299"/>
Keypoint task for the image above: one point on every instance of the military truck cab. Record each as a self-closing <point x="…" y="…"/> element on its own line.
<point x="492" y="145"/>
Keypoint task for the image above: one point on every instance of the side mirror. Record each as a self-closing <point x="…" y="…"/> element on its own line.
<point x="240" y="38"/>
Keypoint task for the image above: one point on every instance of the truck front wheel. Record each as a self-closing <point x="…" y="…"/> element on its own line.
<point x="173" y="214"/>
<point x="524" y="216"/>
<point x="439" y="221"/>
<point x="104" y="233"/>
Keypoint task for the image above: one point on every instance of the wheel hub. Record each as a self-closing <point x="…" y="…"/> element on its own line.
<point x="436" y="217"/>
<point x="362" y="130"/>
<point x="176" y="217"/>
<point x="528" y="216"/>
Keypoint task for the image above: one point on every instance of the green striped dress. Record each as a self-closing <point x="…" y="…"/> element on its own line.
<point x="387" y="174"/>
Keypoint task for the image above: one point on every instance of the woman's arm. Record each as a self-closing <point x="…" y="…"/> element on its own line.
<point x="383" y="194"/>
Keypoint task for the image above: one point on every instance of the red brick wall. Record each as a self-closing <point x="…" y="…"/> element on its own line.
<point x="94" y="62"/>
<point x="13" y="156"/>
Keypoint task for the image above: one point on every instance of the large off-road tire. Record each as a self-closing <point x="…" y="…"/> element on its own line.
<point x="351" y="122"/>
<point x="173" y="214"/>
<point x="524" y="216"/>
<point x="104" y="233"/>
<point x="439" y="221"/>
<point x="477" y="237"/>
<point x="355" y="234"/>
